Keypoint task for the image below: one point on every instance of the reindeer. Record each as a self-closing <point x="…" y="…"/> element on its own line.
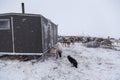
<point x="72" y="40"/>
<point x="66" y="42"/>
<point x="106" y="42"/>
<point x="116" y="41"/>
<point x="55" y="51"/>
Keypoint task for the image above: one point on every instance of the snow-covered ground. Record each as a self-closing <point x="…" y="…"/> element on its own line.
<point x="93" y="64"/>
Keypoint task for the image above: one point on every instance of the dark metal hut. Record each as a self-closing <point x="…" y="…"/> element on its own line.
<point x="26" y="33"/>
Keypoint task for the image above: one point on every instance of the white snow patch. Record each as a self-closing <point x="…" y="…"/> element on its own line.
<point x="93" y="64"/>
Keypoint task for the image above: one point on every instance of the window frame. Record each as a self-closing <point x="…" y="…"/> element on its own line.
<point x="8" y="26"/>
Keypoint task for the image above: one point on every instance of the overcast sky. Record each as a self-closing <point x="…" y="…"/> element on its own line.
<point x="74" y="17"/>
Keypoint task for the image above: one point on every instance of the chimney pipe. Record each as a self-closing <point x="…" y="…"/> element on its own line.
<point x="23" y="9"/>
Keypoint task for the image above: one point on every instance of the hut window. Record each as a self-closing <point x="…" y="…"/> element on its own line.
<point x="4" y="24"/>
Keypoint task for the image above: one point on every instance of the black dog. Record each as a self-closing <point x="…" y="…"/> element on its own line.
<point x="72" y="61"/>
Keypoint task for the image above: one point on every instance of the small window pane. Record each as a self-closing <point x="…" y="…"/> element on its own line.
<point x="4" y="24"/>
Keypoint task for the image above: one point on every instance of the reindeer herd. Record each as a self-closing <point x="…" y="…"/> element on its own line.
<point x="93" y="42"/>
<point x="70" y="40"/>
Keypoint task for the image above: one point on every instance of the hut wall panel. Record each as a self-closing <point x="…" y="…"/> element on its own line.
<point x="6" y="38"/>
<point x="27" y="32"/>
<point x="49" y="33"/>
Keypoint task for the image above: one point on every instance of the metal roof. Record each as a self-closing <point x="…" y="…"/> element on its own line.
<point x="20" y="14"/>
